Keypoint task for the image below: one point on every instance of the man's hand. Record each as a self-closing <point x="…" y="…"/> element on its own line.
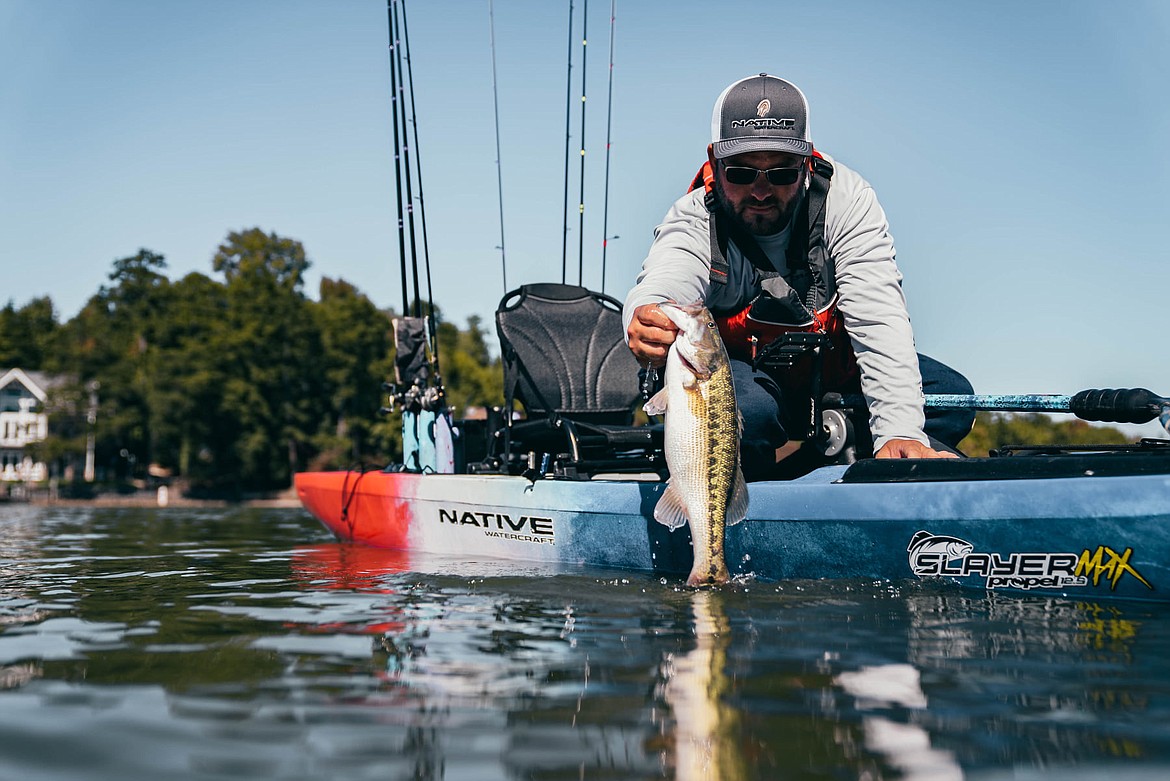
<point x="651" y="333"/>
<point x="910" y="448"/>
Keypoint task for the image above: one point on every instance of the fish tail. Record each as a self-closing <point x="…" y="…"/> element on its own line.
<point x="709" y="570"/>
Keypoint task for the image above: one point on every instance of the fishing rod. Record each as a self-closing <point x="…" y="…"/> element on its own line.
<point x="421" y="201"/>
<point x="409" y="203"/>
<point x="398" y="160"/>
<point x="427" y="433"/>
<point x="568" y="115"/>
<point x="608" y="136"/>
<point x="499" y="163"/>
<point x="1109" y="405"/>
<point x="581" y="197"/>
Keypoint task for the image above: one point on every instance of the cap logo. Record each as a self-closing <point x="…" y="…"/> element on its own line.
<point x="763" y="108"/>
<point x="763" y="123"/>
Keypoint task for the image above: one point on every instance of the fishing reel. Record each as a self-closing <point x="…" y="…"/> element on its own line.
<point x="415" y="398"/>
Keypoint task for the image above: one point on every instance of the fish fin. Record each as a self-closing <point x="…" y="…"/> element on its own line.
<point x="670" y="511"/>
<point x="737" y="504"/>
<point x="657" y="403"/>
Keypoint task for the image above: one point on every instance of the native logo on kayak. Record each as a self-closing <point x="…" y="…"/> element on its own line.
<point x="936" y="555"/>
<point x="525" y="528"/>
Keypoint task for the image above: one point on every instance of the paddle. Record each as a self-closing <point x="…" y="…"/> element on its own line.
<point x="1120" y="405"/>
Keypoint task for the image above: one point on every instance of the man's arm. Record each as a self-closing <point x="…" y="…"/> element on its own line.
<point x="869" y="283"/>
<point x="677" y="266"/>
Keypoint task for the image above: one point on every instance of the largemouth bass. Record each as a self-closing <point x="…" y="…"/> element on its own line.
<point x="706" y="487"/>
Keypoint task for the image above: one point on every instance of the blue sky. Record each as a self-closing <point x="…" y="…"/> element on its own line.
<point x="1019" y="149"/>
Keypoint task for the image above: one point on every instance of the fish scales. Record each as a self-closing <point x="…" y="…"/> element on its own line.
<point x="706" y="489"/>
<point x="722" y="449"/>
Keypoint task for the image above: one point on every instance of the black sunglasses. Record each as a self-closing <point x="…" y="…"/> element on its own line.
<point x="777" y="177"/>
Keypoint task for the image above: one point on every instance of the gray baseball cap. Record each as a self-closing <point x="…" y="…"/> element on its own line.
<point x="760" y="114"/>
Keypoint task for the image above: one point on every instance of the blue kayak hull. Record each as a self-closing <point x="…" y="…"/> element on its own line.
<point x="1082" y="537"/>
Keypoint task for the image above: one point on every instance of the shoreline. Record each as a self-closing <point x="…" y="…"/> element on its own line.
<point x="282" y="500"/>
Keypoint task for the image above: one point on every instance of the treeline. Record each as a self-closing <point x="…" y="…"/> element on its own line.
<point x="232" y="383"/>
<point x="996" y="429"/>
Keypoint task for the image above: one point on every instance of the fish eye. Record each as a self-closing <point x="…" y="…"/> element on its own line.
<point x="710" y="323"/>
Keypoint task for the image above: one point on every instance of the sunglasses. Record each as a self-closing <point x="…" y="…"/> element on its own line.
<point x="777" y="177"/>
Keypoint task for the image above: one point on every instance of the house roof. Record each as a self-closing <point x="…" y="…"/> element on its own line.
<point x="37" y="383"/>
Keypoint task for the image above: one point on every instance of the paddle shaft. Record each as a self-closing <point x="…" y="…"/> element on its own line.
<point x="1124" y="405"/>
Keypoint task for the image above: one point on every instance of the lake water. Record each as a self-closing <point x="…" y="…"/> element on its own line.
<point x="227" y="644"/>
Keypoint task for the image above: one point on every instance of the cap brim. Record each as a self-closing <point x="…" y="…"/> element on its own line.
<point x="738" y="146"/>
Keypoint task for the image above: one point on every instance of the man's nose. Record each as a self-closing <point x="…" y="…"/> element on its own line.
<point x="761" y="187"/>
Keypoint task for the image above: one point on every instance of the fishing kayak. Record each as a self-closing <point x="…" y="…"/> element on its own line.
<point x="1077" y="523"/>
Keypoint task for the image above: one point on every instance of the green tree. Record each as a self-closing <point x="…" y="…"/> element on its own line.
<point x="273" y="391"/>
<point x="996" y="429"/>
<point x="113" y="340"/>
<point x="355" y="360"/>
<point x="27" y="334"/>
<point x="471" y="376"/>
<point x="279" y="260"/>
<point x="191" y="434"/>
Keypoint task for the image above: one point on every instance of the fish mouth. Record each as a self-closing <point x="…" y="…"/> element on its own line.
<point x="690" y="367"/>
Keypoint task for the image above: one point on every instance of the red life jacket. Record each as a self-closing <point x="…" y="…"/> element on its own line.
<point x="803" y="300"/>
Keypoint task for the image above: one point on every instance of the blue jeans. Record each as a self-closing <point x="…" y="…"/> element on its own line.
<point x="768" y="416"/>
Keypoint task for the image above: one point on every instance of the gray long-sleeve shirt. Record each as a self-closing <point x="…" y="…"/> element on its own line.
<point x="857" y="237"/>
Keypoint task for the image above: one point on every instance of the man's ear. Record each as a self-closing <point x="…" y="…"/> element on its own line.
<point x="711" y="155"/>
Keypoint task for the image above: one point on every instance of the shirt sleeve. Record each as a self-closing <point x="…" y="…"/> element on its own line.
<point x="858" y="239"/>
<point x="678" y="265"/>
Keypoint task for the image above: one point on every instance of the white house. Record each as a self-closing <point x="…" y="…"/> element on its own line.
<point x="22" y="422"/>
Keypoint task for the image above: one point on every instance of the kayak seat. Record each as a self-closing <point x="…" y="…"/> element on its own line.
<point x="566" y="361"/>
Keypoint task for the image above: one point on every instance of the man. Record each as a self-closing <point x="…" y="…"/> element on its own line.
<point x="781" y="239"/>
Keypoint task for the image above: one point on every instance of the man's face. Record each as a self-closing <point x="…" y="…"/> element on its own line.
<point x="762" y="207"/>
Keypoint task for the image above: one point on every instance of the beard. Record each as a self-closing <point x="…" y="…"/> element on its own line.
<point x="760" y="218"/>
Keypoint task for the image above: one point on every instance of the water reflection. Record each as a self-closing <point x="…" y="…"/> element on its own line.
<point x="704" y="739"/>
<point x="1045" y="675"/>
<point x="905" y="682"/>
<point x="905" y="746"/>
<point x="184" y="645"/>
<point x="728" y="720"/>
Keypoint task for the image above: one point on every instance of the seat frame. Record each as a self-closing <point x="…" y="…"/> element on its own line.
<point x="591" y="434"/>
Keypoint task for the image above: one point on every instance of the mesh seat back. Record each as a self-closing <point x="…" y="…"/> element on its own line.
<point x="565" y="352"/>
